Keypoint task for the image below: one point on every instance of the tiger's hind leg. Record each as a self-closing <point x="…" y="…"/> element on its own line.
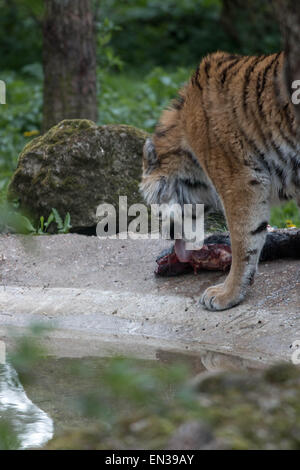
<point x="246" y="203"/>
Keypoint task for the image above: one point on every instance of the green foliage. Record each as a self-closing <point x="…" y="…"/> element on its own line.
<point x="135" y="100"/>
<point x="286" y="215"/>
<point x="134" y="389"/>
<point x="118" y="394"/>
<point x="20" y="33"/>
<point x="147" y="33"/>
<point x="180" y="32"/>
<point x="28" y="352"/>
<point x="13" y="221"/>
<point x="106" y="57"/>
<point x="62" y="226"/>
<point x="20" y="118"/>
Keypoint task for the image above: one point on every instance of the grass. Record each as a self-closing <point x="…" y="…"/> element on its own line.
<point x="128" y="97"/>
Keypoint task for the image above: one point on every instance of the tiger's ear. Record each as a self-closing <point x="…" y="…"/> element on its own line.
<point x="150" y="156"/>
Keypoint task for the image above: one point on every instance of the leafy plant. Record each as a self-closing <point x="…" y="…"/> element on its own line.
<point x="106" y="56"/>
<point x="19" y="119"/>
<point x="180" y="32"/>
<point x="11" y="220"/>
<point x="138" y="101"/>
<point x="63" y="226"/>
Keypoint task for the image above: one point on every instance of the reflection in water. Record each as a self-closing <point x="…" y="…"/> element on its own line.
<point x="32" y="425"/>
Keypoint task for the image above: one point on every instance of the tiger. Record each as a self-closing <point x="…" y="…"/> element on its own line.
<point x="230" y="141"/>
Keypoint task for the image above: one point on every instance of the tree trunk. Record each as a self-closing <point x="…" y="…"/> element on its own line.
<point x="69" y="62"/>
<point x="288" y="13"/>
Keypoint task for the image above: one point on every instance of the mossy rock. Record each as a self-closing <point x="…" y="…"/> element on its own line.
<point x="76" y="166"/>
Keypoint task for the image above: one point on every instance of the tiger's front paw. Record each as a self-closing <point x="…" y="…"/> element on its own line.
<point x="219" y="298"/>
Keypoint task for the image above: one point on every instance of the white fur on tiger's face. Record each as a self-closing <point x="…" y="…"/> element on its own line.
<point x="229" y="141"/>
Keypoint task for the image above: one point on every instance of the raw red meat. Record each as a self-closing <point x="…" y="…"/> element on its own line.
<point x="212" y="257"/>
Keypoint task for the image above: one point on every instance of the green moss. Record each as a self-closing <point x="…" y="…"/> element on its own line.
<point x="64" y="130"/>
<point x="71" y="183"/>
<point x="57" y="135"/>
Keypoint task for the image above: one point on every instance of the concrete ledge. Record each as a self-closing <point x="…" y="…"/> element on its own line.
<point x="102" y="298"/>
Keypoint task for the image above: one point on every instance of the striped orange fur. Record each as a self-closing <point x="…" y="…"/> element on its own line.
<point x="230" y="140"/>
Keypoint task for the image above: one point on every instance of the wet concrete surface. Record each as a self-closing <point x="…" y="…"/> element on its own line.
<point x="103" y="298"/>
